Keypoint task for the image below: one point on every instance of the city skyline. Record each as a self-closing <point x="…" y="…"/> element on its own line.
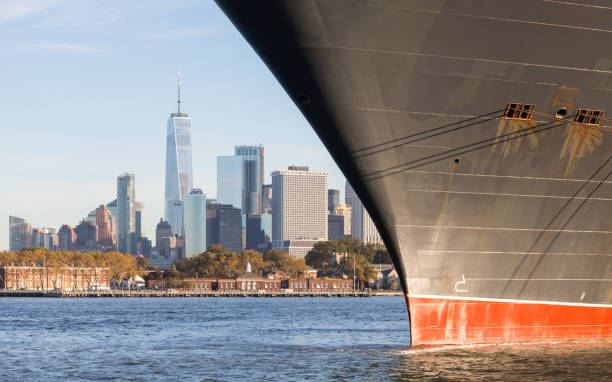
<point x="114" y="73"/>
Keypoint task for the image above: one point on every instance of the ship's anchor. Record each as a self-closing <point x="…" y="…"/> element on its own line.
<point x="460" y="282"/>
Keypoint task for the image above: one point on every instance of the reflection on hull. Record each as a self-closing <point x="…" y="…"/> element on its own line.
<point x="411" y="97"/>
<point x="443" y="320"/>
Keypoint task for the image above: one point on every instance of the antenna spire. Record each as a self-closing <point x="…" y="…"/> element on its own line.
<point x="179" y="89"/>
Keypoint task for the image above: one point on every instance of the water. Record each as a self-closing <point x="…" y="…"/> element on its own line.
<point x="287" y="339"/>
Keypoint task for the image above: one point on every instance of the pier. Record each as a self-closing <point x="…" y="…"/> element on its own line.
<point x="184" y="293"/>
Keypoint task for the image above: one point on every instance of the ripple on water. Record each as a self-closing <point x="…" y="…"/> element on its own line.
<point x="306" y="339"/>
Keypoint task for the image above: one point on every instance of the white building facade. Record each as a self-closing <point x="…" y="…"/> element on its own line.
<point x="362" y="226"/>
<point x="299" y="205"/>
<point x="194" y="222"/>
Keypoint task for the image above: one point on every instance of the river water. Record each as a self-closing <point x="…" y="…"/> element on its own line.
<point x="237" y="339"/>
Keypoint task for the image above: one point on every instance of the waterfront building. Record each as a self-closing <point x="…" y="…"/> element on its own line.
<point x="345" y="211"/>
<point x="335" y="227"/>
<point x="126" y="225"/>
<point x="195" y="222"/>
<point x="266" y="199"/>
<point x="224" y="226"/>
<point x="20" y="233"/>
<point x="66" y="238"/>
<point x="362" y="226"/>
<point x="49" y="278"/>
<point x="317" y="284"/>
<point x="299" y="205"/>
<point x="230" y="177"/>
<point x="253" y="177"/>
<point x="196" y="283"/>
<point x="179" y="172"/>
<point x="105" y="233"/>
<point x="249" y="281"/>
<point x="333" y="200"/>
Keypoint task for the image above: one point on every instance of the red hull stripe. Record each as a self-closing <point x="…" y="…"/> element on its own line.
<point x="439" y="320"/>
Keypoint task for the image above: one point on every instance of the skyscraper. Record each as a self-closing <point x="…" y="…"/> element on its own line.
<point x="333" y="200"/>
<point x="126" y="225"/>
<point x="44" y="238"/>
<point x="179" y="173"/>
<point x="112" y="208"/>
<point x="254" y="172"/>
<point x="335" y="227"/>
<point x="224" y="226"/>
<point x="87" y="235"/>
<point x="66" y="238"/>
<point x="194" y="222"/>
<point x="266" y="199"/>
<point x="362" y="226"/>
<point x="103" y="221"/>
<point x="345" y="210"/>
<point x="230" y="178"/>
<point x="299" y="198"/>
<point x="162" y="230"/>
<point x="20" y="234"/>
<point x="139" y="219"/>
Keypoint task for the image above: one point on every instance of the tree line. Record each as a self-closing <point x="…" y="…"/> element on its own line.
<point x="121" y="266"/>
<point x="347" y="256"/>
<point x="218" y="262"/>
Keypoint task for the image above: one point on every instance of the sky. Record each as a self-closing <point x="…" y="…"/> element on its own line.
<point x="86" y="88"/>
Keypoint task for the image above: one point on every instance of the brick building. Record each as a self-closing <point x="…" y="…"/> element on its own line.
<point x="65" y="279"/>
<point x="201" y="284"/>
<point x="249" y="281"/>
<point x="317" y="284"/>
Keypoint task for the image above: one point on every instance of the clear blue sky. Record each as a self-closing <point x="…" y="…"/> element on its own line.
<point x="87" y="87"/>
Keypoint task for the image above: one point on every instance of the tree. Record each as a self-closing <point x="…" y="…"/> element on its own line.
<point x="6" y="258"/>
<point x="364" y="271"/>
<point x="143" y="262"/>
<point x="320" y="256"/>
<point x="382" y="256"/>
<point x="254" y="258"/>
<point x="282" y="261"/>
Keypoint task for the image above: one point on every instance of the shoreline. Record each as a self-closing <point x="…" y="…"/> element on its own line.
<point x="189" y="293"/>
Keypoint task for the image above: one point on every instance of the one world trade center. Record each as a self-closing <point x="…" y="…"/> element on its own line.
<point x="179" y="173"/>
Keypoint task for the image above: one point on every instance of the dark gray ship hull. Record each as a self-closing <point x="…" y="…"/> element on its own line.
<point x="476" y="209"/>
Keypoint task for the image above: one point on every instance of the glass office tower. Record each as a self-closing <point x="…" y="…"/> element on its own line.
<point x="179" y="172"/>
<point x="229" y="180"/>
<point x="126" y="222"/>
<point x="195" y="222"/>
<point x="253" y="160"/>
